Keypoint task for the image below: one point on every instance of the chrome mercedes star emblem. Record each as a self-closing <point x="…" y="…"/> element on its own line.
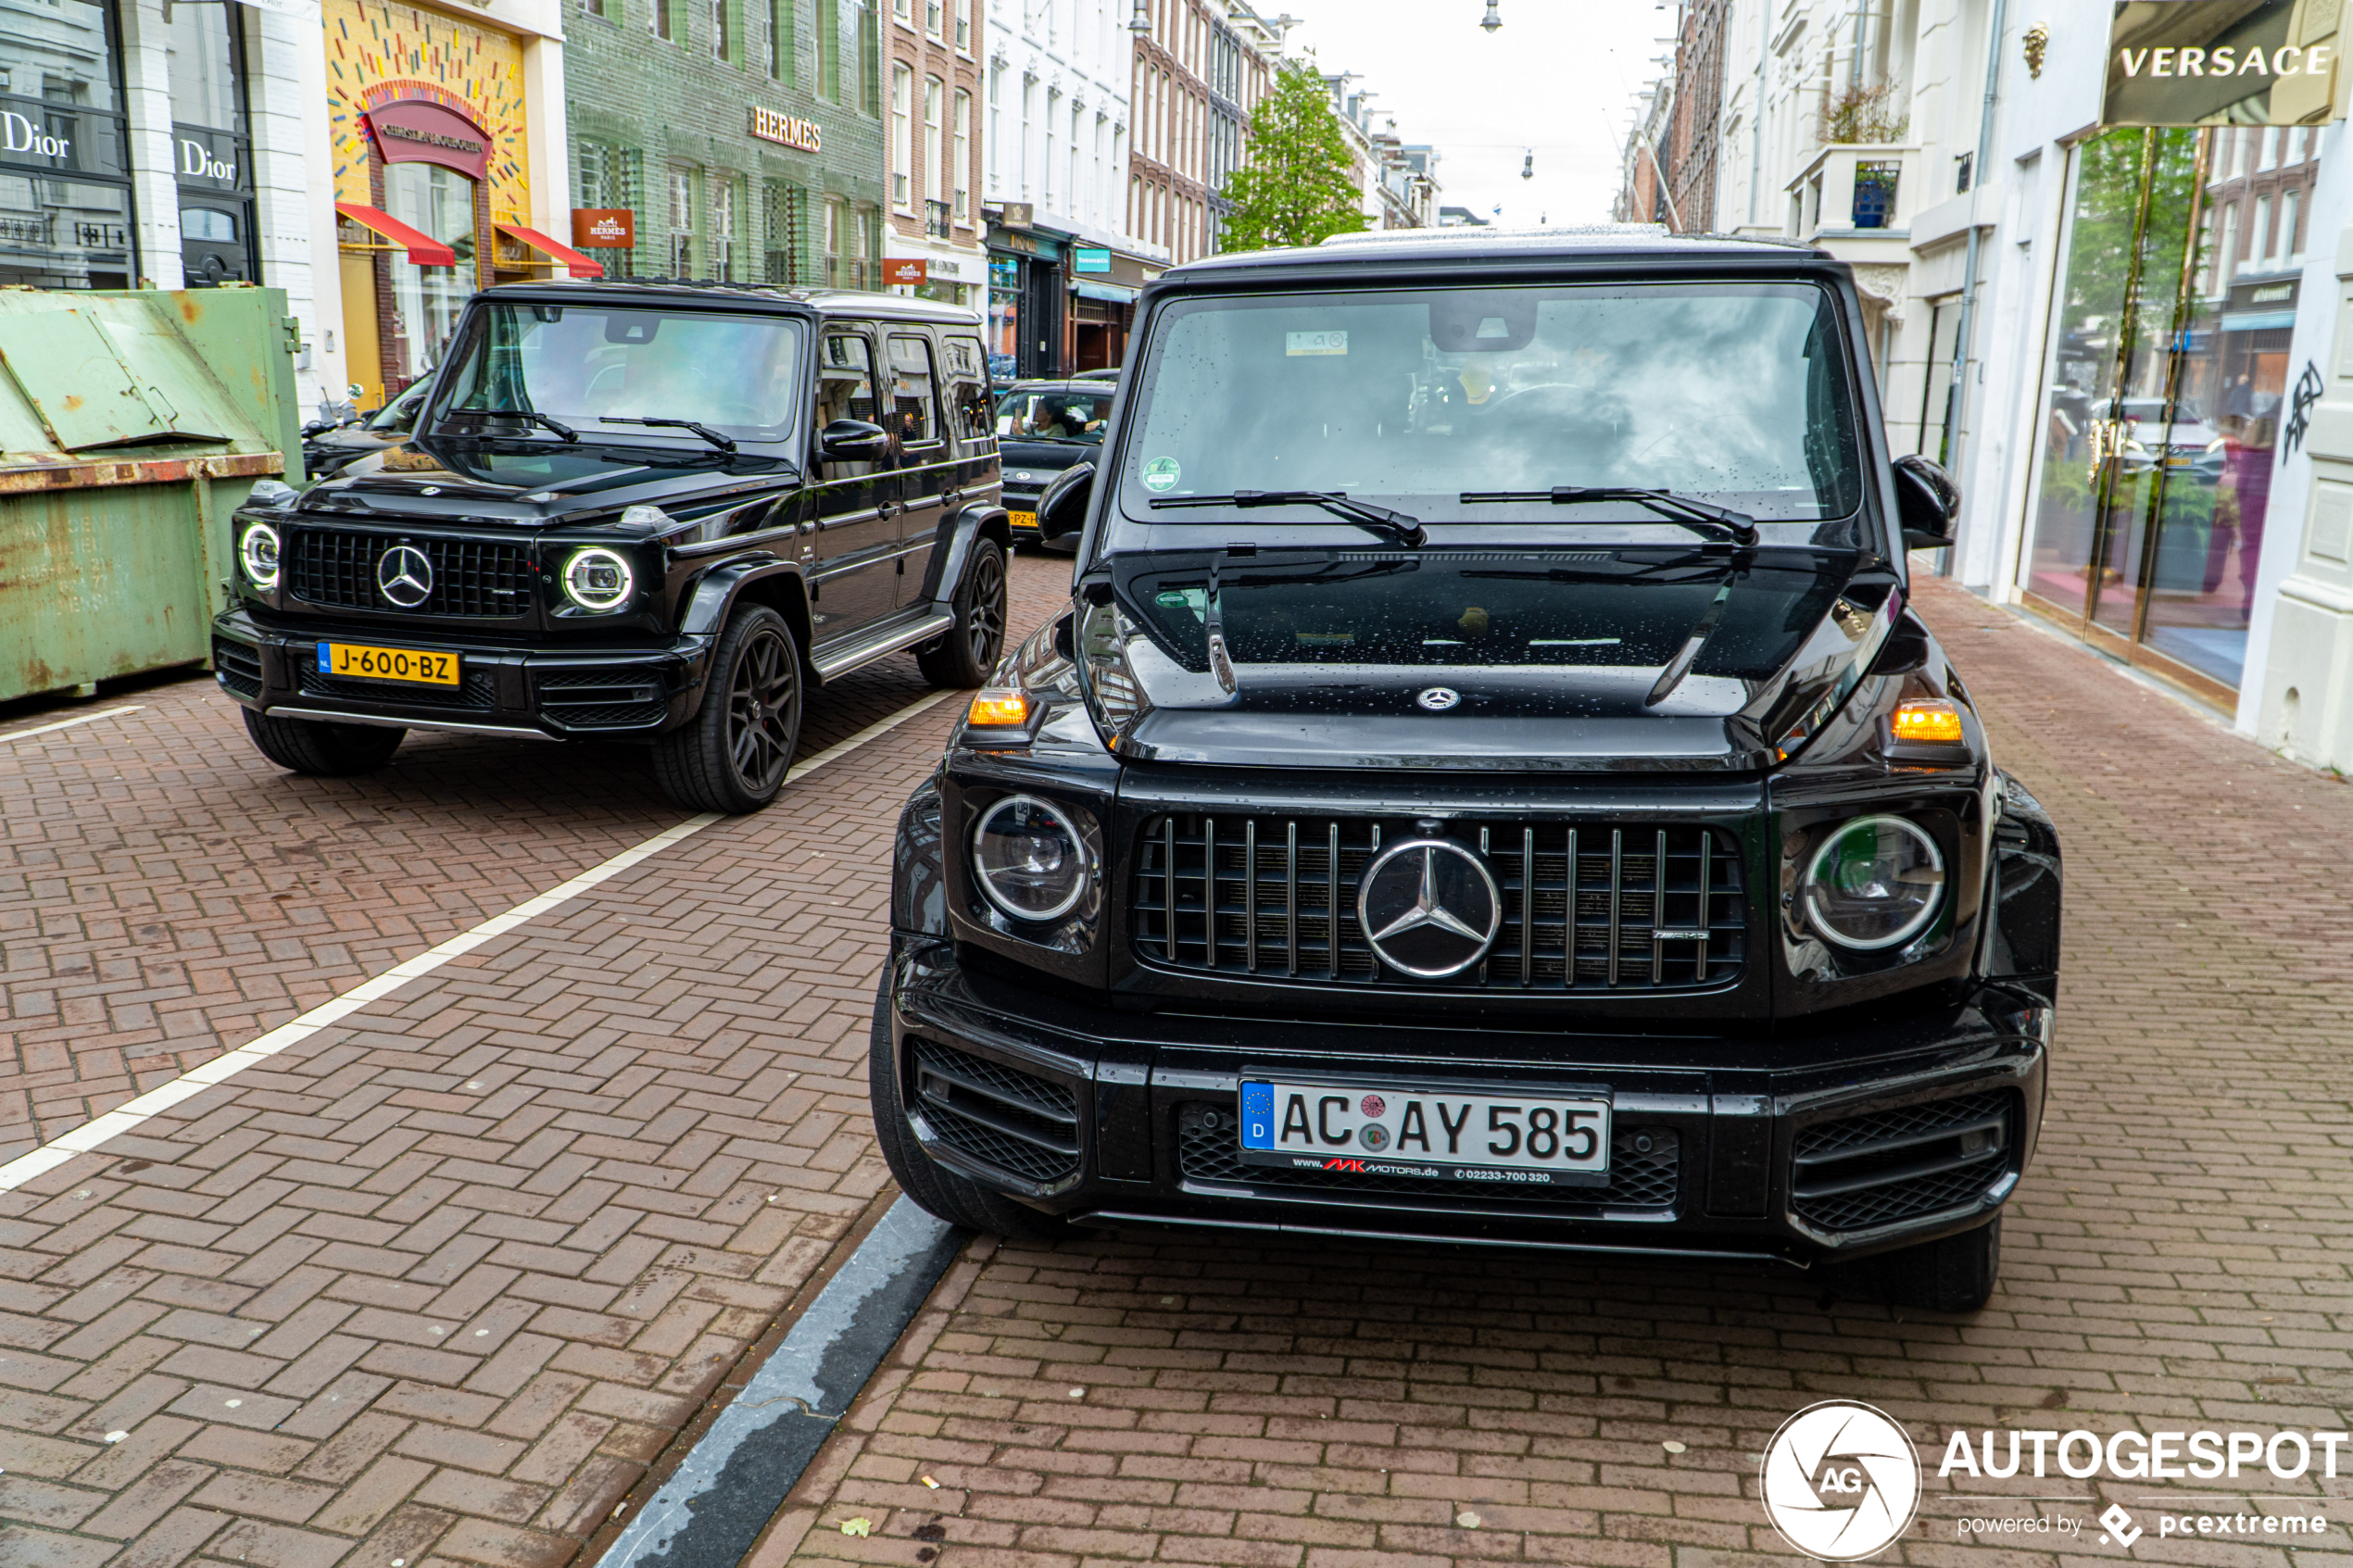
<point x="1429" y="908"/>
<point x="404" y="576"/>
<point x="1437" y="699"/>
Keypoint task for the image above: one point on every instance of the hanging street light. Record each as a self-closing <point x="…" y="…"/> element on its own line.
<point x="1494" y="19"/>
<point x="1142" y="21"/>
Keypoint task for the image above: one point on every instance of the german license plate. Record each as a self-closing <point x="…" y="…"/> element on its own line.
<point x="1021" y="520"/>
<point x="416" y="665"/>
<point x="1510" y="1139"/>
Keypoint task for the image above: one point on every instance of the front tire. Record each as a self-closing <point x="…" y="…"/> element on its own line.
<point x="733" y="755"/>
<point x="936" y="1191"/>
<point x="322" y="749"/>
<point x="966" y="654"/>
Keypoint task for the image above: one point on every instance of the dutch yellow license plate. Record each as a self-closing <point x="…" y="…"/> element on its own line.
<point x="1021" y="520"/>
<point x="417" y="666"/>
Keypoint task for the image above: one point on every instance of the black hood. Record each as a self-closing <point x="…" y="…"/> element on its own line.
<point x="533" y="483"/>
<point x="1644" y="659"/>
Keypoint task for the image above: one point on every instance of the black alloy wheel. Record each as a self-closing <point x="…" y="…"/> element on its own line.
<point x="734" y="754"/>
<point x="967" y="652"/>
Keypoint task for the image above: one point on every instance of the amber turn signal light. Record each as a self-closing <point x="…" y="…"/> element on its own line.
<point x="997" y="706"/>
<point x="1929" y="721"/>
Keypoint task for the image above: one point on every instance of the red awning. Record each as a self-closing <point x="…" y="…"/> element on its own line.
<point x="422" y="248"/>
<point x="581" y="266"/>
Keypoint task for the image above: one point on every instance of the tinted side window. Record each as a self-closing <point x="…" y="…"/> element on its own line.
<point x="845" y="382"/>
<point x="967" y="371"/>
<point x="914" y="414"/>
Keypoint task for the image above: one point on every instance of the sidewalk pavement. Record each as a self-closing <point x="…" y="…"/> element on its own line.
<point x="436" y="1284"/>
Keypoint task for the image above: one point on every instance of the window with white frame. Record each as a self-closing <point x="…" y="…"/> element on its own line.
<point x="682" y="222"/>
<point x="904" y="10"/>
<point x="722" y="39"/>
<point x="903" y="137"/>
<point x="935" y="17"/>
<point x="961" y="164"/>
<point x="723" y="228"/>
<point x="964" y="26"/>
<point x="935" y="100"/>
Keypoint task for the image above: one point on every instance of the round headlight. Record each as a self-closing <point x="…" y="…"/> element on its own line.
<point x="257" y="553"/>
<point x="1030" y="860"/>
<point x="598" y="579"/>
<point x="1874" y="883"/>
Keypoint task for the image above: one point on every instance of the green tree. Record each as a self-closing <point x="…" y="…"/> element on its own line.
<point x="1298" y="187"/>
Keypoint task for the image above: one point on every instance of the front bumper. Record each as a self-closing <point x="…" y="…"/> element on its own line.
<point x="575" y="692"/>
<point x="1875" y="1138"/>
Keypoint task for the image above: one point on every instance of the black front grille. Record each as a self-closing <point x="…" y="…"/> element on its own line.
<point x="1644" y="1169"/>
<point x="236" y="667"/>
<point x="475" y="690"/>
<point x="471" y="577"/>
<point x="1900" y="1164"/>
<point x="601" y="697"/>
<point x="1654" y="909"/>
<point x="998" y="1115"/>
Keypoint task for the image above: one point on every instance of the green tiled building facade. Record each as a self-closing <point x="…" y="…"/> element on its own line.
<point x="662" y="97"/>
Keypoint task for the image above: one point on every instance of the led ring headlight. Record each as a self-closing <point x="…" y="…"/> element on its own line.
<point x="257" y="553"/>
<point x="597" y="578"/>
<point x="1029" y="859"/>
<point x="1874" y="883"/>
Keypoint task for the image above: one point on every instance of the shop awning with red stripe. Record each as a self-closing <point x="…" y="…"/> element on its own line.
<point x="422" y="248"/>
<point x="581" y="266"/>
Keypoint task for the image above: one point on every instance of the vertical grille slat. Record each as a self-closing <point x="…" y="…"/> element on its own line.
<point x="476" y="578"/>
<point x="1596" y="906"/>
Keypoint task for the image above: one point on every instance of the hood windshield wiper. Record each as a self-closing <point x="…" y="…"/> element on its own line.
<point x="1702" y="516"/>
<point x="528" y="416"/>
<point x="1397" y="526"/>
<point x="723" y="443"/>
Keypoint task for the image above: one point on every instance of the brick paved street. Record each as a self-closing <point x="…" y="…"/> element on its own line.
<point x="445" y="1277"/>
<point x="436" y="1285"/>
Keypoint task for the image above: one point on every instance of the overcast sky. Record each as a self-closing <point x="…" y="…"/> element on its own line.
<point x="1559" y="76"/>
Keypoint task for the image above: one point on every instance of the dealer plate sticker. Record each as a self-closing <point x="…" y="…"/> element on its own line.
<point x="1515" y="1139"/>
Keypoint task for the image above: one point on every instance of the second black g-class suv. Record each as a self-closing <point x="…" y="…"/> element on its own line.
<point x="1489" y="785"/>
<point x="636" y="511"/>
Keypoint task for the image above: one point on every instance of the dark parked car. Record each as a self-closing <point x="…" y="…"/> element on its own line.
<point x="1044" y="427"/>
<point x="1489" y="786"/>
<point x="332" y="450"/>
<point x="657" y="513"/>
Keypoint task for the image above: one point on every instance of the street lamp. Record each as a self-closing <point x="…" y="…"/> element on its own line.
<point x="1494" y="19"/>
<point x="1142" y="21"/>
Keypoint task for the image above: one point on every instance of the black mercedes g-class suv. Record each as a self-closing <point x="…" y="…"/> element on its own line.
<point x="636" y="511"/>
<point x="1489" y="786"/>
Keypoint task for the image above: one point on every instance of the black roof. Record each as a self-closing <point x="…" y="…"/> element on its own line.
<point x="1611" y="246"/>
<point x="738" y="296"/>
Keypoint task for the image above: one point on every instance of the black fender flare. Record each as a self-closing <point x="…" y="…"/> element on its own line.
<point x="2022" y="933"/>
<point x="707" y="602"/>
<point x="957" y="532"/>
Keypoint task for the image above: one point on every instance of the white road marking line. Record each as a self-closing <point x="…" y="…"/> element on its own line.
<point x="123" y="1118"/>
<point x="69" y="724"/>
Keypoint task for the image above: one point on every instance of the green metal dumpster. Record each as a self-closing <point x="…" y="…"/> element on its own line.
<point x="132" y="424"/>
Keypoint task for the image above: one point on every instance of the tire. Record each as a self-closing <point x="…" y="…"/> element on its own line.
<point x="1953" y="1274"/>
<point x="937" y="1191"/>
<point x="734" y="754"/>
<point x="966" y="654"/>
<point x="324" y="750"/>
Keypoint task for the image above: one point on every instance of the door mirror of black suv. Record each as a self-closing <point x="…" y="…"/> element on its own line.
<point x="1062" y="506"/>
<point x="853" y="441"/>
<point x="1927" y="502"/>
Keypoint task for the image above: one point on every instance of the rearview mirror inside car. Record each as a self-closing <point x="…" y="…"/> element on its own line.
<point x="1927" y="502"/>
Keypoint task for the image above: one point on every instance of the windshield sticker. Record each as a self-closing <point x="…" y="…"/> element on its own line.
<point x="1162" y="473"/>
<point x="1297" y="344"/>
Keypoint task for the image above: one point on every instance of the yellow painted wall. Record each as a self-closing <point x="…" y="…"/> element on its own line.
<point x="378" y="51"/>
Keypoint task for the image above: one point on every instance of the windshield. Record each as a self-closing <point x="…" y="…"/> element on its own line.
<point x="401" y="412"/>
<point x="1736" y="394"/>
<point x="1053" y="416"/>
<point x="1622" y="609"/>
<point x="591" y="367"/>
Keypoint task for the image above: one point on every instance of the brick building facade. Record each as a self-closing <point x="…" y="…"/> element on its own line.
<point x="932" y="153"/>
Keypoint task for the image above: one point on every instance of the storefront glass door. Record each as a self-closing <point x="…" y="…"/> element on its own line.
<point x="2157" y="420"/>
<point x="426" y="300"/>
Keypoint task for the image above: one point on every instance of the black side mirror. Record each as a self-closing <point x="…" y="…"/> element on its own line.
<point x="1062" y="506"/>
<point x="1927" y="502"/>
<point x="853" y="441"/>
